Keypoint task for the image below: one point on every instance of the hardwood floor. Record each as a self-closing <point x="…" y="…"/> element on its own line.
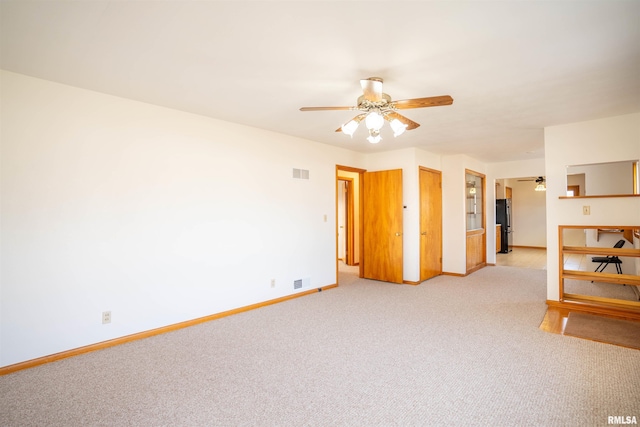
<point x="555" y="319"/>
<point x="524" y="257"/>
<point x="537" y="258"/>
<point x="578" y="262"/>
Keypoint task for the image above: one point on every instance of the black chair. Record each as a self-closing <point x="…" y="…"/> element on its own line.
<point x="606" y="260"/>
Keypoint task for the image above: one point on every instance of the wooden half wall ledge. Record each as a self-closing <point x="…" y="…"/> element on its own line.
<point x="609" y="311"/>
<point x="152" y="332"/>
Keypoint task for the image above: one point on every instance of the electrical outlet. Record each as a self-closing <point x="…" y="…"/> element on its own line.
<point x="586" y="210"/>
<point x="106" y="317"/>
<point x="273" y="283"/>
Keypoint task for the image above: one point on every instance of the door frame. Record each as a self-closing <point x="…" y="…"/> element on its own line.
<point x="360" y="173"/>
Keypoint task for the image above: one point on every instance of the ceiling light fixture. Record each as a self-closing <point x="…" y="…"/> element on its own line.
<point x="374" y="136"/>
<point x="540" y="184"/>
<point x="350" y="128"/>
<point x="374" y="120"/>
<point x="376" y="106"/>
<point x="398" y="127"/>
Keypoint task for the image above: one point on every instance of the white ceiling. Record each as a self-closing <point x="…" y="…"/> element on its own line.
<point x="512" y="67"/>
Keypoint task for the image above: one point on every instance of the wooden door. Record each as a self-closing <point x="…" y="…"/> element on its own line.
<point x="430" y="223"/>
<point x="382" y="228"/>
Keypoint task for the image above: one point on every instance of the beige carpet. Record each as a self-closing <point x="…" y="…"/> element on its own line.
<point x="604" y="329"/>
<point x="453" y="351"/>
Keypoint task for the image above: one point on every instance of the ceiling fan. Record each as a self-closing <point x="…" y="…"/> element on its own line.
<point x="376" y="107"/>
<point x="540" y="183"/>
<point x="538" y="180"/>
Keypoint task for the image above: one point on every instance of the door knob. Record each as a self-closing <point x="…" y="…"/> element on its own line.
<point x="424" y="233"/>
<point x="398" y="234"/>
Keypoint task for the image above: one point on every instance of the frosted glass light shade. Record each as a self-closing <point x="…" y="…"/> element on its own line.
<point x="374" y="121"/>
<point x="350" y="128"/>
<point x="374" y="136"/>
<point x="398" y="127"/>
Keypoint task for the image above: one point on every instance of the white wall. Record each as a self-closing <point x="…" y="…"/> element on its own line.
<point x="161" y="216"/>
<point x="454" y="245"/>
<point x="528" y="223"/>
<point x="607" y="178"/>
<point x="157" y="215"/>
<point x="577" y="179"/>
<point x="584" y="143"/>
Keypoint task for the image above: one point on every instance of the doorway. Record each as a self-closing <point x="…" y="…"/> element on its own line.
<point x="348" y="219"/>
<point x="376" y="229"/>
<point x="527" y="224"/>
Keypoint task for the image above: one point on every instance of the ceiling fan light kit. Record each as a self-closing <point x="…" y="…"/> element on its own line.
<point x="540" y="183"/>
<point x="350" y="127"/>
<point x="376" y="107"/>
<point x="374" y="120"/>
<point x="398" y="127"/>
<point x="374" y="136"/>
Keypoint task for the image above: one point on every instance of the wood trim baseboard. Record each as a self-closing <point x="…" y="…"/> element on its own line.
<point x="528" y="247"/>
<point x="152" y="332"/>
<point x="447" y="273"/>
<point x="476" y="268"/>
<point x="408" y="282"/>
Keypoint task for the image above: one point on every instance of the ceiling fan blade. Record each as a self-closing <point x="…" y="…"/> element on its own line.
<point x="538" y="179"/>
<point x="410" y="123"/>
<point x="372" y="89"/>
<point x="357" y="119"/>
<point x="326" y="108"/>
<point x="433" y="101"/>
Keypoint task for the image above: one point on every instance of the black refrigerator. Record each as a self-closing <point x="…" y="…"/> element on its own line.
<point x="503" y="217"/>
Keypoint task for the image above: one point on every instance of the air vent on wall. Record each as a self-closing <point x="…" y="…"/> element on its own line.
<point x="300" y="173"/>
<point x="302" y="283"/>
